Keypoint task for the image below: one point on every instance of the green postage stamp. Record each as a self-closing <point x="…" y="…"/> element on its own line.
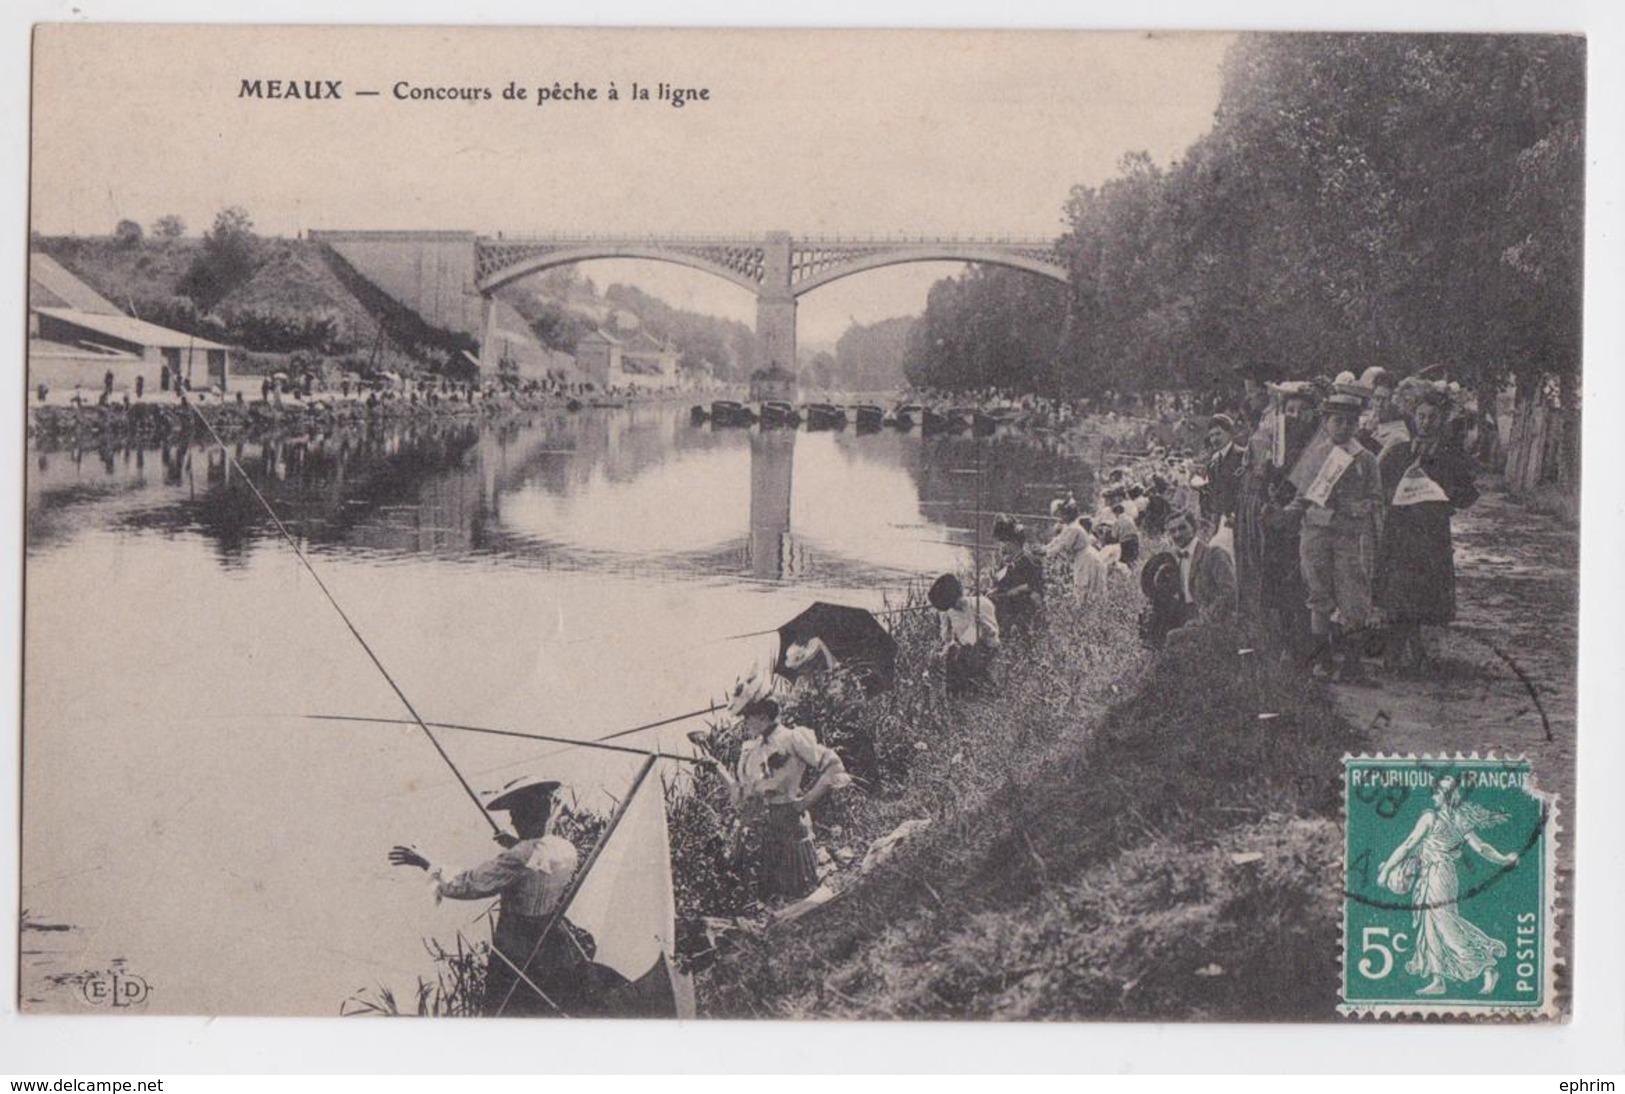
<point x="1448" y="895"/>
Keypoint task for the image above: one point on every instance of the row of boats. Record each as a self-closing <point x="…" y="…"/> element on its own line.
<point x="865" y="417"/>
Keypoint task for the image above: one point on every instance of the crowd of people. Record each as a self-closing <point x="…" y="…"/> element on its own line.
<point x="1317" y="521"/>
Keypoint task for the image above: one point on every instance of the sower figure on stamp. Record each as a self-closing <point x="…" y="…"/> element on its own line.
<point x="1447" y="946"/>
<point x="527" y="974"/>
<point x="1341" y="509"/>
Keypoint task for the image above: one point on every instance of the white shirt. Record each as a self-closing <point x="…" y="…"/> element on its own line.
<point x="530" y="876"/>
<point x="962" y="622"/>
<point x="1088" y="565"/>
<point x="1186" y="558"/>
<point x="771" y="768"/>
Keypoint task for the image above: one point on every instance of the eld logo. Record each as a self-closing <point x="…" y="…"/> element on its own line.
<point x="114" y="989"/>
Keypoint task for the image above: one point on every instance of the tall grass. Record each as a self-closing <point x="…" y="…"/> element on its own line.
<point x="1078" y="864"/>
<point x="1072" y="865"/>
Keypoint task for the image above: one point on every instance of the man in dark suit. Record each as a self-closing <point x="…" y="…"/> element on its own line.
<point x="1223" y="472"/>
<point x="1207" y="577"/>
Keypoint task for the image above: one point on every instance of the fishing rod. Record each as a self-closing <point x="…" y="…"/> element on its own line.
<point x="663" y="722"/>
<point x="598" y="744"/>
<point x="987" y="512"/>
<point x="331" y="599"/>
<point x="882" y="611"/>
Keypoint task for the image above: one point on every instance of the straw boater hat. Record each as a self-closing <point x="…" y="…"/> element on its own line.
<point x="749" y="689"/>
<point x="1348" y="386"/>
<point x="1344" y="403"/>
<point x="523" y="787"/>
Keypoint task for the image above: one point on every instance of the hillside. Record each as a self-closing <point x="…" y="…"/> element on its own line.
<point x="302" y="296"/>
<point x="295" y="297"/>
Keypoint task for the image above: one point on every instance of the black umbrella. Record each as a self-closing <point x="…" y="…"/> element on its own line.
<point x="855" y="638"/>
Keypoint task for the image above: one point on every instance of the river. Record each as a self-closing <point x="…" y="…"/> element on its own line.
<point x="570" y="575"/>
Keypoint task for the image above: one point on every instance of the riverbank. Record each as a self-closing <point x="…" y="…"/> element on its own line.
<point x="1132" y="838"/>
<point x="159" y="419"/>
<point x="1113" y="837"/>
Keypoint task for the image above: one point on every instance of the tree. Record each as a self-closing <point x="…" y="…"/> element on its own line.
<point x="169" y="226"/>
<point x="127" y="233"/>
<point x="229" y="257"/>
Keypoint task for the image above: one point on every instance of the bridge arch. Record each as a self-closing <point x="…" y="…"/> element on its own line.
<point x="567" y="257"/>
<point x="878" y="259"/>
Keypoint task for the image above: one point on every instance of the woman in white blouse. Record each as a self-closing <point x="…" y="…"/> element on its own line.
<point x="766" y="789"/>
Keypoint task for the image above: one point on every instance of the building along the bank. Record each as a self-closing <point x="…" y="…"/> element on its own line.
<point x="598" y="356"/>
<point x="76" y="337"/>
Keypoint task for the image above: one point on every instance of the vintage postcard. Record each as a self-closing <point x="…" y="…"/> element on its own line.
<point x="801" y="524"/>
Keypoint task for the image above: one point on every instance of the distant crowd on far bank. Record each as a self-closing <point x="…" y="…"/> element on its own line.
<point x="307" y="399"/>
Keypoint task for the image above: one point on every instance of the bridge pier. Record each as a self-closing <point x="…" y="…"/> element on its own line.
<point x="779" y="270"/>
<point x="776" y="306"/>
<point x="488" y="335"/>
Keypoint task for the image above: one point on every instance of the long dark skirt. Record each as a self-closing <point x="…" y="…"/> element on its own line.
<point x="1283" y="596"/>
<point x="561" y="968"/>
<point x="786" y="862"/>
<point x="1250" y="548"/>
<point x="1416" y="571"/>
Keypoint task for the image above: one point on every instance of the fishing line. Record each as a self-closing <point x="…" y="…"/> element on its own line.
<point x="322" y="585"/>
<point x="365" y="720"/>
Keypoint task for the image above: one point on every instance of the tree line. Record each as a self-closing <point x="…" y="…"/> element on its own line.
<point x="1413" y="201"/>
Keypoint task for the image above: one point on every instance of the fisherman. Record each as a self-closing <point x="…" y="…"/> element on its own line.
<point x="1074" y="543"/>
<point x="1018" y="584"/>
<point x="970" y="635"/>
<point x="528" y="974"/>
<point x="1206" y="578"/>
<point x="766" y="789"/>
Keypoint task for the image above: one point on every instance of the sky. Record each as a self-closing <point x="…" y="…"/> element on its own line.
<point x="812" y="132"/>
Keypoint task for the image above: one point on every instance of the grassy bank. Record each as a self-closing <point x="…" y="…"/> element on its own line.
<point x="1110" y="837"/>
<point x="1113" y="835"/>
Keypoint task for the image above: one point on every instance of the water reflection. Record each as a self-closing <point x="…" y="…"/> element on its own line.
<point x="772" y="553"/>
<point x="571" y="576"/>
<point x="637" y="490"/>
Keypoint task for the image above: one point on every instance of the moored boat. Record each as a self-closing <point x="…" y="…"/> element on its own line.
<point x="825" y="416"/>
<point x="779" y="415"/>
<point x="726" y="412"/>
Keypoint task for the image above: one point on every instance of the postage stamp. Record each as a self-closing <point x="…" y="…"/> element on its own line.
<point x="1448" y="896"/>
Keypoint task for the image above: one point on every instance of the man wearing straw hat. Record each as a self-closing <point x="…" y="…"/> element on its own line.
<point x="530" y="875"/>
<point x="1342" y="506"/>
